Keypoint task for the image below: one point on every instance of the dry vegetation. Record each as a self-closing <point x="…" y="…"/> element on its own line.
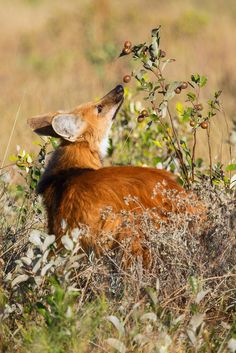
<point x="55" y="55"/>
<point x="184" y="301"/>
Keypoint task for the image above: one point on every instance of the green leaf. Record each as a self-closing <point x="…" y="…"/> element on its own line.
<point x="59" y="294"/>
<point x="152" y="294"/>
<point x="13" y="158"/>
<point x="137" y="49"/>
<point x="148" y="65"/>
<point x="191" y="96"/>
<point x="193" y="284"/>
<point x="54" y="142"/>
<point x="203" y="81"/>
<point x="157" y="143"/>
<point x="231" y="167"/>
<point x="20" y="188"/>
<point x="155" y="32"/>
<point x="157" y="160"/>
<point x="199" y="162"/>
<point x="217" y="94"/>
<point x="154" y="47"/>
<point x="150" y="86"/>
<point x="179" y="109"/>
<point x="195" y="78"/>
<point x="187" y="114"/>
<point x="154" y="50"/>
<point x="139" y="75"/>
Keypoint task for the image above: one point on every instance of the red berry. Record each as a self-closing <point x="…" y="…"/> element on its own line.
<point x="184" y="85"/>
<point x="192" y="123"/>
<point x="178" y="90"/>
<point x="204" y="125"/>
<point x="126" y="78"/>
<point x="127" y="44"/>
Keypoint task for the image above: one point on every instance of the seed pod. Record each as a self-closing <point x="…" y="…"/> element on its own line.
<point x="127" y="44"/>
<point x="140" y="118"/>
<point x="178" y="90"/>
<point x="166" y="87"/>
<point x="204" y="125"/>
<point x="184" y="85"/>
<point x="126" y="78"/>
<point x="144" y="112"/>
<point x="192" y="123"/>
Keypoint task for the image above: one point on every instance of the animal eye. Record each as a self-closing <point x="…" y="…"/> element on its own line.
<point x="99" y="108"/>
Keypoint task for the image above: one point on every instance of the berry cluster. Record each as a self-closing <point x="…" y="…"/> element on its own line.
<point x="127" y="49"/>
<point x="159" y="92"/>
<point x="178" y="89"/>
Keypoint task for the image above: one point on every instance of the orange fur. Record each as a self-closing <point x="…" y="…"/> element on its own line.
<point x="76" y="188"/>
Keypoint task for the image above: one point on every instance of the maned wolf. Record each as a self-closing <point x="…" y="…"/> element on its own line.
<point x="76" y="187"/>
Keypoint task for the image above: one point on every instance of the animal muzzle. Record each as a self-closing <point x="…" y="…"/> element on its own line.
<point x="114" y="97"/>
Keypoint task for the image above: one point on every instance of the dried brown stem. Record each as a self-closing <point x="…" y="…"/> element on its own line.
<point x="228" y="133"/>
<point x="209" y="151"/>
<point x="193" y="152"/>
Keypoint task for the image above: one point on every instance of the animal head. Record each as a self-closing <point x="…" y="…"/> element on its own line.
<point x="89" y="122"/>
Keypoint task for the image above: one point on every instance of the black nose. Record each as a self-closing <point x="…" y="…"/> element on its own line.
<point x="119" y="89"/>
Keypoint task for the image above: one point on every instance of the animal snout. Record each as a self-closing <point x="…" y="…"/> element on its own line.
<point x="119" y="89"/>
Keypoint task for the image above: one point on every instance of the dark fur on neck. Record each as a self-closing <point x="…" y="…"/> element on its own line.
<point x="59" y="179"/>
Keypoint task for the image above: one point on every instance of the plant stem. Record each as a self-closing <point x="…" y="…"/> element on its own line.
<point x="209" y="151"/>
<point x="178" y="149"/>
<point x="228" y="133"/>
<point x="193" y="152"/>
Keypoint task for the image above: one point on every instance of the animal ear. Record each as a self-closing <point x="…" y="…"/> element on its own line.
<point x="68" y="126"/>
<point x="42" y="124"/>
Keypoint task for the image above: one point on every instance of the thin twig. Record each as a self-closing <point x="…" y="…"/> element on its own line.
<point x="12" y="131"/>
<point x="228" y="133"/>
<point x="8" y="165"/>
<point x="193" y="152"/>
<point x="209" y="150"/>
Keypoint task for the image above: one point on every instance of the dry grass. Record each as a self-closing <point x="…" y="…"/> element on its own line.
<point x="186" y="296"/>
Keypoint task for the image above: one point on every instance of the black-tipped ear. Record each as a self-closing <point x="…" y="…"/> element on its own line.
<point x="42" y="125"/>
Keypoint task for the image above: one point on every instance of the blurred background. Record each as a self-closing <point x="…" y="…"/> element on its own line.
<point x="57" y="54"/>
